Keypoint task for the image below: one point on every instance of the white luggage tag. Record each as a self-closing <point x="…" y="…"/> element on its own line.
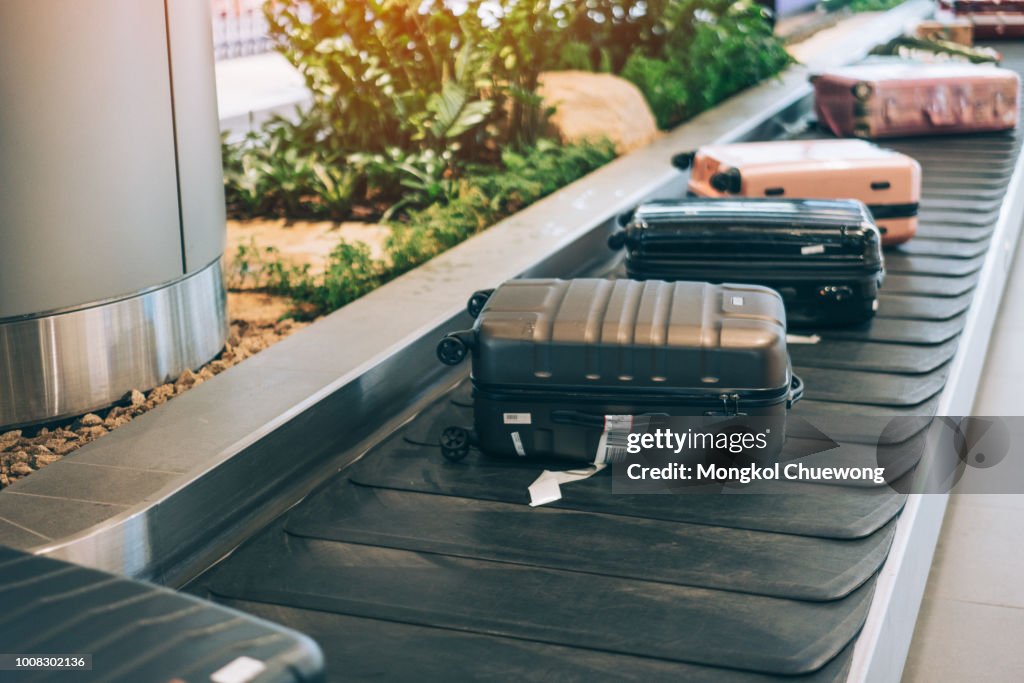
<point x="547" y="487"/>
<point x="612" y="445"/>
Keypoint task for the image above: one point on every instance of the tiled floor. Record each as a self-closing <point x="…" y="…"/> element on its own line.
<point x="971" y="625"/>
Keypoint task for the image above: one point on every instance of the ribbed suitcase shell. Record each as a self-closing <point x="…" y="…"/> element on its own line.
<point x="891" y="98"/>
<point x="816" y="169"/>
<point x="637" y="336"/>
<point x="823" y="256"/>
<point x="543" y="349"/>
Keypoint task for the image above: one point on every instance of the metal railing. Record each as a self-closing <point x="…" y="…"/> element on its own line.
<point x="239" y="29"/>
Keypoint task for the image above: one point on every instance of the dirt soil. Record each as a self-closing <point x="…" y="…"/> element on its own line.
<point x="255" y="325"/>
<point x="301" y="242"/>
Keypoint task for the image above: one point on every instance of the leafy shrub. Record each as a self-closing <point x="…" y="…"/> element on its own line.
<point x="604" y="34"/>
<point x="871" y="5"/>
<point x="284" y="168"/>
<point x="710" y="49"/>
<point x="489" y="197"/>
<point x="477" y="202"/>
<point x="426" y="115"/>
<point x="420" y="75"/>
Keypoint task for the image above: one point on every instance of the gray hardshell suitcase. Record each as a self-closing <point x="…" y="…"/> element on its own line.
<point x="553" y="358"/>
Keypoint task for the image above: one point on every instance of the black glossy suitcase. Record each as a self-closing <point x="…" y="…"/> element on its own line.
<point x="555" y="362"/>
<point x="823" y="256"/>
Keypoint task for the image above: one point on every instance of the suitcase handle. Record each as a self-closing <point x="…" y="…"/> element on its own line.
<point x="948" y="115"/>
<point x="999" y="107"/>
<point x="941" y="118"/>
<point x="796" y="391"/>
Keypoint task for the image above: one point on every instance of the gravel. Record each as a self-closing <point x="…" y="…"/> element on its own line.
<point x="24" y="451"/>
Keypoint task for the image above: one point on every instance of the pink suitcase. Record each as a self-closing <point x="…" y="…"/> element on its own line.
<point x="887" y="181"/>
<point x="958" y="30"/>
<point x="997" y="25"/>
<point x="960" y="7"/>
<point x="893" y="98"/>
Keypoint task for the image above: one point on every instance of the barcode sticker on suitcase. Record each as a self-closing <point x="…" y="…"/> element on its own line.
<point x="518" y="418"/>
<point x="813" y="249"/>
<point x="615" y="437"/>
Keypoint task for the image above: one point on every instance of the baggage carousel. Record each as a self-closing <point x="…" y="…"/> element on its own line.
<point x="403" y="565"/>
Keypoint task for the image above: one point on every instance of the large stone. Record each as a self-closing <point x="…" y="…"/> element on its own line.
<point x="591" y="106"/>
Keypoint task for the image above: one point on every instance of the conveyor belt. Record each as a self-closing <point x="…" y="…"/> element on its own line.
<point x="407" y="566"/>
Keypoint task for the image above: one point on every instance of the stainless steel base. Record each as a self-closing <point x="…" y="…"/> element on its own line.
<point x="70" y="362"/>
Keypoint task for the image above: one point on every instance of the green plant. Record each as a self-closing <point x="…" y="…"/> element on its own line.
<point x="286" y="168"/>
<point x="485" y="196"/>
<point x="873" y="5"/>
<point x="603" y="34"/>
<point x="423" y="75"/>
<point x="427" y="114"/>
<point x="710" y="49"/>
<point x="859" y="5"/>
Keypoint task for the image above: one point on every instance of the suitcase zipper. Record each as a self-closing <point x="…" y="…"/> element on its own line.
<point x="782" y="272"/>
<point x="753" y="398"/>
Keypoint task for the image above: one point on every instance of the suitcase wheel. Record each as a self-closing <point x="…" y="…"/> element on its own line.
<point x="477" y="302"/>
<point x="683" y="160"/>
<point x="451" y="350"/>
<point x="455" y="442"/>
<point x="727" y="181"/>
<point x="862" y="91"/>
<point x="796" y="391"/>
<point x="617" y="240"/>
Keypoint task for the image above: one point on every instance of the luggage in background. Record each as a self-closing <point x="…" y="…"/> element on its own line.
<point x="989" y="19"/>
<point x="898" y="98"/>
<point x="823" y="257"/>
<point x="959" y="31"/>
<point x="935" y="50"/>
<point x="553" y="358"/>
<point x="996" y="25"/>
<point x="966" y="6"/>
<point x="887" y="181"/>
